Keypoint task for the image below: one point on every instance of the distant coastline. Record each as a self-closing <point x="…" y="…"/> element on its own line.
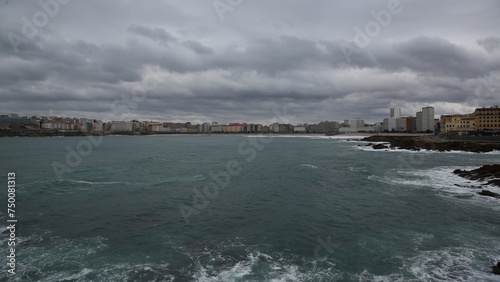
<point x="39" y="133"/>
<point x="43" y="133"/>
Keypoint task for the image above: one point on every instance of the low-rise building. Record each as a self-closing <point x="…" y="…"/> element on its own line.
<point x="231" y="128"/>
<point x="325" y="127"/>
<point x="189" y="128"/>
<point x="275" y="127"/>
<point x="357" y="123"/>
<point x="409" y="123"/>
<point x="15" y="120"/>
<point x="121" y="126"/>
<point x="458" y="123"/>
<point x="204" y="127"/>
<point x="251" y="128"/>
<point x="299" y="129"/>
<point x="216" y="127"/>
<point x="155" y="127"/>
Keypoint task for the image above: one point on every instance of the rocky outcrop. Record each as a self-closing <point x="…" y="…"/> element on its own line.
<point x="379" y="146"/>
<point x="489" y="194"/>
<point x="434" y="143"/>
<point x="489" y="173"/>
<point x="496" y="269"/>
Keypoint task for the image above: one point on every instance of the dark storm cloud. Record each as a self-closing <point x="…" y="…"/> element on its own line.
<point x="261" y="56"/>
<point x="436" y="56"/>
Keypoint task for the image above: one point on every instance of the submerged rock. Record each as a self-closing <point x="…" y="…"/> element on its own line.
<point x="489" y="193"/>
<point x="496" y="269"/>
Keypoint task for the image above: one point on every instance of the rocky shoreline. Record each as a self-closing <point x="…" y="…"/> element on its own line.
<point x="489" y="174"/>
<point x="432" y="143"/>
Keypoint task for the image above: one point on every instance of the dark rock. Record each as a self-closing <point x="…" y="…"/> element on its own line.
<point x="380" y="146"/>
<point x="489" y="193"/>
<point x="496" y="269"/>
<point x="468" y="186"/>
<point x="366" y="145"/>
<point x="490" y="173"/>
<point x="434" y="143"/>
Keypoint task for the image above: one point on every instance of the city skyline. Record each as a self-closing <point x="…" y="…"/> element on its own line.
<point x="210" y="61"/>
<point x="484" y="120"/>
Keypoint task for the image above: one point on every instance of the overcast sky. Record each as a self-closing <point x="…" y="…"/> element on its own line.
<point x="237" y="60"/>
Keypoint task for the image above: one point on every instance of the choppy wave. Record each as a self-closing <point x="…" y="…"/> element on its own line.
<point x="57" y="259"/>
<point x="441" y="179"/>
<point x="422" y="151"/>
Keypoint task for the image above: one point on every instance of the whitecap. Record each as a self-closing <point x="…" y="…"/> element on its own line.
<point x="371" y="149"/>
<point x="309" y="165"/>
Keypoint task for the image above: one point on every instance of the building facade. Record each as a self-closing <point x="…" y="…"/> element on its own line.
<point x="458" y="123"/>
<point x="395" y="113"/>
<point x="428" y="119"/>
<point x="487" y="118"/>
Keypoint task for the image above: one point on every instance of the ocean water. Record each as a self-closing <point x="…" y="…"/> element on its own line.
<point x="312" y="208"/>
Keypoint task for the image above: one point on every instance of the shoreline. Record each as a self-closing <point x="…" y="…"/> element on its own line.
<point x="479" y="144"/>
<point x="84" y="134"/>
<point x="135" y="133"/>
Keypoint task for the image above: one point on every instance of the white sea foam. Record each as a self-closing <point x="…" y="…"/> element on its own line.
<point x="237" y="271"/>
<point x="443" y="180"/>
<point x="133" y="272"/>
<point x="73" y="277"/>
<point x="309" y="165"/>
<point x="93" y="183"/>
<point x="422" y="151"/>
<point x="447" y="264"/>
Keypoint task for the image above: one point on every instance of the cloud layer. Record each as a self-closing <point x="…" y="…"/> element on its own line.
<point x="189" y="61"/>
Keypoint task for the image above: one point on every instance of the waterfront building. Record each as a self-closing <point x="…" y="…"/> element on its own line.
<point x="385" y="124"/>
<point x="117" y="126"/>
<point x="409" y="123"/>
<point x="231" y="128"/>
<point x="204" y="127"/>
<point x="256" y="128"/>
<point x="299" y="129"/>
<point x="392" y="124"/>
<point x="357" y="123"/>
<point x="418" y="122"/>
<point x="286" y="128"/>
<point x="275" y="127"/>
<point x="251" y="128"/>
<point x="487" y="118"/>
<point x="155" y="127"/>
<point x="189" y="128"/>
<point x="458" y="123"/>
<point x="215" y="127"/>
<point x="428" y="119"/>
<point x="395" y="113"/>
<point x="14" y="121"/>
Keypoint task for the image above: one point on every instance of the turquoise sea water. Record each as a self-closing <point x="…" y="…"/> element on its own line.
<point x="293" y="208"/>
